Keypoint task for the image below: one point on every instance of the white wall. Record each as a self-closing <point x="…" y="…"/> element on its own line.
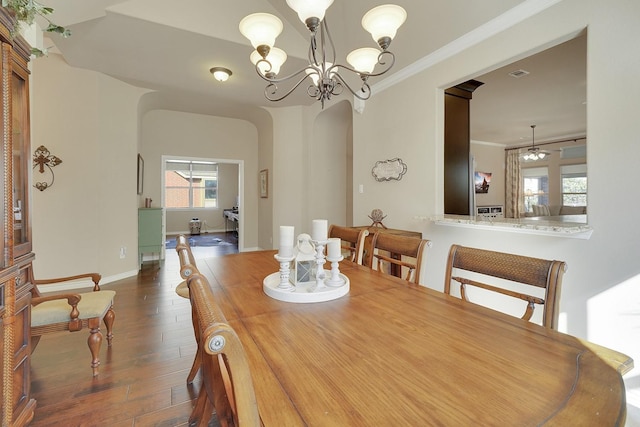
<point x="328" y="165"/>
<point x="308" y="180"/>
<point x="407" y="121"/>
<point x="88" y="120"/>
<point x="173" y="133"/>
<point x="490" y="158"/>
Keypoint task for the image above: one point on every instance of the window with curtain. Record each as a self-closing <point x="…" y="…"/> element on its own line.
<point x="536" y="187"/>
<point x="574" y="185"/>
<point x="190" y="184"/>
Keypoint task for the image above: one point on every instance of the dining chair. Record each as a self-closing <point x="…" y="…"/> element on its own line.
<point x="394" y="254"/>
<point x="472" y="265"/>
<point x="72" y="312"/>
<point x="352" y="240"/>
<point x="187" y="268"/>
<point x="227" y="386"/>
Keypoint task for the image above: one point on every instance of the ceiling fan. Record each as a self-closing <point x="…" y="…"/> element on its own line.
<point x="534" y="153"/>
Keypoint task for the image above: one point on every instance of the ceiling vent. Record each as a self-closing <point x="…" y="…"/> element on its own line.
<point x="518" y="73"/>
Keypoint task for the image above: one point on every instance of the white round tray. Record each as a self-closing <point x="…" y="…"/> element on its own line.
<point x="304" y="293"/>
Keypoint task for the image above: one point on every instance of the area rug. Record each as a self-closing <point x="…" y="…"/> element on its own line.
<point x="201" y="240"/>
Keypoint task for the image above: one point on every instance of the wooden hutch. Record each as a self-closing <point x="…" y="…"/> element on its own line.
<point x="15" y="246"/>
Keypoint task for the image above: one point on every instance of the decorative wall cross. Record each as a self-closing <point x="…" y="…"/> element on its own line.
<point x="45" y="161"/>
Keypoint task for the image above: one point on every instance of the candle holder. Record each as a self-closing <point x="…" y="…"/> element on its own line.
<point x="285" y="270"/>
<point x="335" y="279"/>
<point x="302" y="277"/>
<point x="320" y="260"/>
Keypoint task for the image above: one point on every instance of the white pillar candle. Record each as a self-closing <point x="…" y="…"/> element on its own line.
<point x="319" y="229"/>
<point x="286" y="241"/>
<point x="333" y="248"/>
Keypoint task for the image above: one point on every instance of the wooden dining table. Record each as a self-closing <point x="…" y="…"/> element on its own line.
<point x="390" y="353"/>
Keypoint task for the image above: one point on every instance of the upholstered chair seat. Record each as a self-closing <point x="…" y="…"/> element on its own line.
<point x="72" y="312"/>
<point x="92" y="304"/>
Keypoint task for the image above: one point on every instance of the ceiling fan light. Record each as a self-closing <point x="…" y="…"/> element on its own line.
<point x="364" y="59"/>
<point x="383" y="21"/>
<point x="261" y="29"/>
<point x="276" y="58"/>
<point x="309" y="8"/>
<point x="541" y="155"/>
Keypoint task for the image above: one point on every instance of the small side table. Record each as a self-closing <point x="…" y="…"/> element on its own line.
<point x="149" y="232"/>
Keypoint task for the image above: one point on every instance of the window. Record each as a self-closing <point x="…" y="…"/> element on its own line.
<point x="190" y="184"/>
<point x="536" y="187"/>
<point x="574" y="185"/>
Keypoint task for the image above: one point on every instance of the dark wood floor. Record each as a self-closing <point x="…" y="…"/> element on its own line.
<point x="142" y="379"/>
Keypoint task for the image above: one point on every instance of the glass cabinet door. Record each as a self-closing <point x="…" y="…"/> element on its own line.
<point x="21" y="162"/>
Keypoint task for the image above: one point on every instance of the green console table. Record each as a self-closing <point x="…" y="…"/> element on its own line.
<point x="149" y="232"/>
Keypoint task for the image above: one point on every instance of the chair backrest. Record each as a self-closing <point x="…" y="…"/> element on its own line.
<point x="352" y="240"/>
<point x="225" y="364"/>
<point x="227" y="383"/>
<point x="185" y="256"/>
<point x="398" y="252"/>
<point x="520" y="269"/>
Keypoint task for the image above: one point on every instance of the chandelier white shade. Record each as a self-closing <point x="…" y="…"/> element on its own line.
<point x="534" y="156"/>
<point x="309" y="8"/>
<point x="364" y="59"/>
<point x="323" y="69"/>
<point x="261" y="29"/>
<point x="383" y="22"/>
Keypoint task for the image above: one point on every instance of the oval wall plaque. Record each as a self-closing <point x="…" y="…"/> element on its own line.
<point x="389" y="169"/>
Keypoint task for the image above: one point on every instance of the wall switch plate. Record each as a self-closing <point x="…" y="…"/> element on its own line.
<point x="123" y="252"/>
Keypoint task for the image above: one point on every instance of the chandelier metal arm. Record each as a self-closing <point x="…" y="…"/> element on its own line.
<point x="272" y="88"/>
<point x="365" y="89"/>
<point x="282" y="79"/>
<point x="324" y="29"/>
<point x="381" y="62"/>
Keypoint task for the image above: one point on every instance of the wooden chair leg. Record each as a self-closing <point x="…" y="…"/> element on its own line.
<point x="195" y="367"/>
<point x="95" y="342"/>
<point x="108" y="321"/>
<point x="218" y="393"/>
<point x="197" y="361"/>
<point x="34" y="342"/>
<point x="203" y="410"/>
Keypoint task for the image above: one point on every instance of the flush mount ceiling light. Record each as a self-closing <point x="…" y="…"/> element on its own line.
<point x="221" y="74"/>
<point x="534" y="153"/>
<point x="323" y="70"/>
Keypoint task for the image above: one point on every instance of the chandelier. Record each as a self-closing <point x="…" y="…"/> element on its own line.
<point x="323" y="71"/>
<point x="534" y="153"/>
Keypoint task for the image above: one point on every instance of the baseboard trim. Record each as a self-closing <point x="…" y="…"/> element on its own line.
<point x="86" y="283"/>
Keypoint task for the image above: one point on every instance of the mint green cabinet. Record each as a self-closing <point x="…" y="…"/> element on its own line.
<point x="149" y="232"/>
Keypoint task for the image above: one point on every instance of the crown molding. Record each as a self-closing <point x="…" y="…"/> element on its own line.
<point x="513" y="16"/>
<point x="488" y="143"/>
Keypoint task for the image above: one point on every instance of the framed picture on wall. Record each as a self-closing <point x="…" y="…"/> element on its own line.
<point x="140" y="174"/>
<point x="482" y="181"/>
<point x="264" y="183"/>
